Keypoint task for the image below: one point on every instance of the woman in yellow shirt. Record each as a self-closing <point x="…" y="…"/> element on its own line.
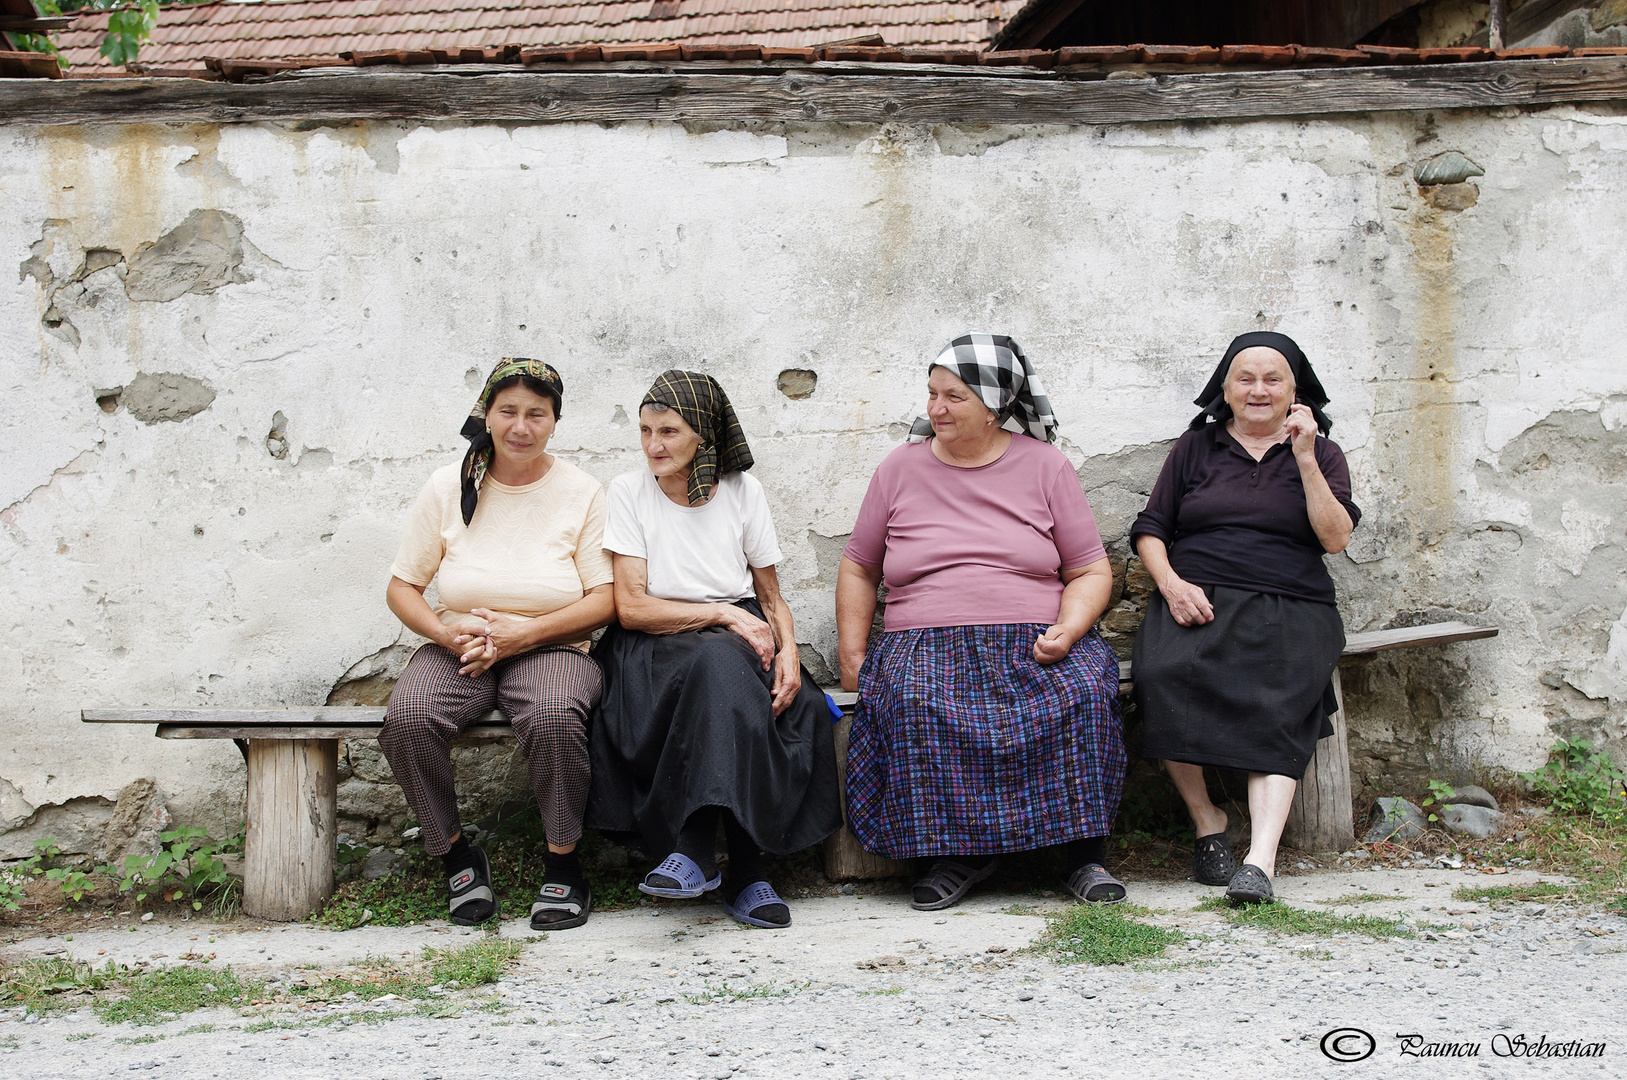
<point x="513" y="541"/>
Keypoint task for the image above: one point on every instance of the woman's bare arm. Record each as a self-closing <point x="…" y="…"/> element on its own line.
<point x="856" y="586"/>
<point x="638" y="610"/>
<point x="787" y="661"/>
<point x="1187" y="603"/>
<point x="1328" y="516"/>
<point x="1085" y="593"/>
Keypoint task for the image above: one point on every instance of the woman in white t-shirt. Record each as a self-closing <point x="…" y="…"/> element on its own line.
<point x="513" y="542"/>
<point x="707" y="714"/>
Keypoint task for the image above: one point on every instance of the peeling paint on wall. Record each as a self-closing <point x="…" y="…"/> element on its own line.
<point x="224" y="387"/>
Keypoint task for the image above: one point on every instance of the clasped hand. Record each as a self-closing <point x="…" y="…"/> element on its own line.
<point x="786" y="663"/>
<point x="1053" y="645"/>
<point x="487" y="637"/>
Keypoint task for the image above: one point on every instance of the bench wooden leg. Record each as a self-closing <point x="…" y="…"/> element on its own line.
<point x="1323" y="815"/>
<point x="290" y="850"/>
<point x="845" y="860"/>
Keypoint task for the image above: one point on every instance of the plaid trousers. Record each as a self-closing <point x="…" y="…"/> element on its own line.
<point x="546" y="694"/>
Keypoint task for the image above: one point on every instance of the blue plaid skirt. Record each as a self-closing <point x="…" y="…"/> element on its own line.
<point x="963" y="745"/>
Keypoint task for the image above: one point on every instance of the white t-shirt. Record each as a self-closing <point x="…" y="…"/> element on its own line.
<point x="703" y="554"/>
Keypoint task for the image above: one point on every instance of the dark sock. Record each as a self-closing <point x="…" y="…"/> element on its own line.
<point x="746" y="868"/>
<point x="1090" y="850"/>
<point x="564" y="869"/>
<point x="459" y="857"/>
<point x="698" y="840"/>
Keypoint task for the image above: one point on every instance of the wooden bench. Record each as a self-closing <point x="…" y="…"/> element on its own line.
<point x="292" y="759"/>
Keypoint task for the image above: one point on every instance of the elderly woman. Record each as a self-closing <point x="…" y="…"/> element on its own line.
<point x="707" y="714"/>
<point x="512" y="540"/>
<point x="1234" y="662"/>
<point x="988" y="717"/>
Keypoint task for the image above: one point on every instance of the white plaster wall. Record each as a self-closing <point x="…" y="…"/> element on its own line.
<point x="385" y="267"/>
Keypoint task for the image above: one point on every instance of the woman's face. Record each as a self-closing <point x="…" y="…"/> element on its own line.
<point x="1260" y="388"/>
<point x="520" y="421"/>
<point x="955" y="411"/>
<point x="668" y="440"/>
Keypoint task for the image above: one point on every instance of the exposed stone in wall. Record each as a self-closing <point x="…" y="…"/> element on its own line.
<point x="797" y="383"/>
<point x="368" y="681"/>
<point x="1118" y="485"/>
<point x="138" y="818"/>
<point x="166" y="396"/>
<point x="200" y="255"/>
<point x="76" y="825"/>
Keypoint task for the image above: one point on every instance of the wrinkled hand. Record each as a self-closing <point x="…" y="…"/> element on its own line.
<point x="1301" y="428"/>
<point x="850" y="667"/>
<point x="1187" y="603"/>
<point x="787" y="678"/>
<point x="506" y="633"/>
<point x="1053" y="645"/>
<point x="469" y="642"/>
<point x="754" y="632"/>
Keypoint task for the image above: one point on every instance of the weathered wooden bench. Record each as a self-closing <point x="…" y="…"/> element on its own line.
<point x="292" y="759"/>
<point x="1321" y="819"/>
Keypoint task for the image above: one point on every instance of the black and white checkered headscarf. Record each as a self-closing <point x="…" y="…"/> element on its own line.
<point x="997" y="371"/>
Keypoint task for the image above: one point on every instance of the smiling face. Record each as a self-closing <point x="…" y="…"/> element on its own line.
<point x="955" y="410"/>
<point x="669" y="442"/>
<point x="1260" y="390"/>
<point x="520" y="421"/>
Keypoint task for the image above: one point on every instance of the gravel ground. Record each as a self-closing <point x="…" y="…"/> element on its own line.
<point x="863" y="987"/>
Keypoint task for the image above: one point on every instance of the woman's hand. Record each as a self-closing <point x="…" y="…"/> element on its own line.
<point x="787" y="678"/>
<point x="1301" y="428"/>
<point x="509" y="635"/>
<point x="466" y="636"/>
<point x="754" y="632"/>
<point x="1053" y="645"/>
<point x="1187" y="603"/>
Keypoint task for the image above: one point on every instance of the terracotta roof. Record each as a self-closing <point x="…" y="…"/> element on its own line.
<point x="263" y="30"/>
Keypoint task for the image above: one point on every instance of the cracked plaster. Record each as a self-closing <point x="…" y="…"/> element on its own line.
<point x="384" y="267"/>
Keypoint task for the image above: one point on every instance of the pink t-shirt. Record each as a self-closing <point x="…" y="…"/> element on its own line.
<point x="973" y="547"/>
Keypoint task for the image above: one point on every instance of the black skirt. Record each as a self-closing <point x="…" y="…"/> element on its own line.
<point x="1250" y="690"/>
<point x="687" y="721"/>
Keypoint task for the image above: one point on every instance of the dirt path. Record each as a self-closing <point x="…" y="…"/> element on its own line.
<point x="864" y="987"/>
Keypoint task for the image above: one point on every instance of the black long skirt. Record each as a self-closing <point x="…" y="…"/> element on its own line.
<point x="687" y="721"/>
<point x="1251" y="690"/>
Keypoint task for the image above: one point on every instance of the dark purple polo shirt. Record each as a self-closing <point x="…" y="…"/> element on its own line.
<point x="1231" y="520"/>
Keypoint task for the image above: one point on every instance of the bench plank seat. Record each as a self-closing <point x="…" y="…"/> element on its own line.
<point x="290" y="753"/>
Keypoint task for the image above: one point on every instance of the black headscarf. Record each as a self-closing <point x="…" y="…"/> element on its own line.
<point x="481" y="447"/>
<point x="705" y="407"/>
<point x="1307" y="387"/>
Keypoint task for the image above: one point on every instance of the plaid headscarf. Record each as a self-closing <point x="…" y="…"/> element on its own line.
<point x="997" y="371"/>
<point x="481" y="448"/>
<point x="705" y="407"/>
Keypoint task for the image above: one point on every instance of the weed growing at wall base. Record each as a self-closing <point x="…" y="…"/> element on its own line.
<point x="1579" y="779"/>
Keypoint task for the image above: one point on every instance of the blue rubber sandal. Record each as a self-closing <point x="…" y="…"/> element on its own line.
<point x="686" y="872"/>
<point x="758" y="894"/>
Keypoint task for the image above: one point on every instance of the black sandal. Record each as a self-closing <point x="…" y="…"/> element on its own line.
<point x="561" y="907"/>
<point x="948" y="881"/>
<point x="1092" y="884"/>
<point x="471" y="886"/>
<point x="1213" y="862"/>
<point x="1250" y="886"/>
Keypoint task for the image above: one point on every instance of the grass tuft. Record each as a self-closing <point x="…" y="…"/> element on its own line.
<point x="1291" y="920"/>
<point x="476" y="964"/>
<point x="1102" y="934"/>
<point x="158" y="996"/>
<point x="1352" y="899"/>
<point x="1540" y="890"/>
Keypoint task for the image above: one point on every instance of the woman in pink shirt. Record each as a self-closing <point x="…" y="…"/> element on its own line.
<point x="988" y="716"/>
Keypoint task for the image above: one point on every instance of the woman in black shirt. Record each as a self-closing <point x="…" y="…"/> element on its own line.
<point x="1233" y="665"/>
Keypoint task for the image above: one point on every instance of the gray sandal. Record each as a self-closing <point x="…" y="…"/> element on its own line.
<point x="1092" y="884"/>
<point x="467" y="886"/>
<point x="949" y="880"/>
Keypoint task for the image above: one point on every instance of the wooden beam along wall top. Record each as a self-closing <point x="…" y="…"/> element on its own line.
<point x="804" y="97"/>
